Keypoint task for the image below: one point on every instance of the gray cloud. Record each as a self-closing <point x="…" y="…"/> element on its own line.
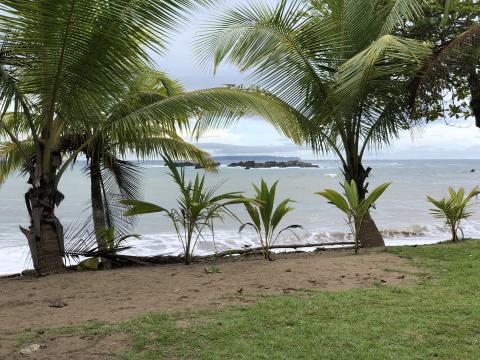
<point x="218" y="149"/>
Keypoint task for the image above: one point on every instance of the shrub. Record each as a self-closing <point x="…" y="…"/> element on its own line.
<point x="453" y="209"/>
<point x="198" y="207"/>
<point x="265" y="219"/>
<point x="351" y="204"/>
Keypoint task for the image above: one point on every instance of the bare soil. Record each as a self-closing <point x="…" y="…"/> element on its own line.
<point x="114" y="295"/>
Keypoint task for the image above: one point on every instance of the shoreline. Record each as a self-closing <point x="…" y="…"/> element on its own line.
<point x="278" y="251"/>
<point x="305" y="249"/>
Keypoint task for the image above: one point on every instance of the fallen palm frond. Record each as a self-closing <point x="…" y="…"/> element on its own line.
<point x="81" y="242"/>
<point x="121" y="259"/>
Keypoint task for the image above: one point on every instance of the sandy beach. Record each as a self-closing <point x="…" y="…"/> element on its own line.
<point x="115" y="295"/>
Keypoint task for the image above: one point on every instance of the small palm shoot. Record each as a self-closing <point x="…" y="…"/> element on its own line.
<point x="198" y="208"/>
<point x="351" y="204"/>
<point x="454" y="209"/>
<point x="265" y="219"/>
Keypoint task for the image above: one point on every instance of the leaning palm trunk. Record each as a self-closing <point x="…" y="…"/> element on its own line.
<point x="100" y="222"/>
<point x="45" y="234"/>
<point x="98" y="209"/>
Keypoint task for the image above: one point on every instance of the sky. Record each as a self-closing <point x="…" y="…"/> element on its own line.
<point x="457" y="140"/>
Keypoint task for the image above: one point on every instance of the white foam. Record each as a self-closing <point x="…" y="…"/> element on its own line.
<point x="14" y="259"/>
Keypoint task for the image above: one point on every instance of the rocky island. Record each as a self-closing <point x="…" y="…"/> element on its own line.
<point x="273" y="164"/>
<point x="190" y="164"/>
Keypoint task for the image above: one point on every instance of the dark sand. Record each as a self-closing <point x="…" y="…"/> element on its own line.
<point x="115" y="295"/>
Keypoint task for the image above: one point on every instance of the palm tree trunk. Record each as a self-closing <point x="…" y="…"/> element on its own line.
<point x="98" y="210"/>
<point x="45" y="234"/>
<point x="453" y="229"/>
<point x="369" y="235"/>
<point x="98" y="207"/>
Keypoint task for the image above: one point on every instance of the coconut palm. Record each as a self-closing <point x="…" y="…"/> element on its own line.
<point x="350" y="203"/>
<point x="198" y="208"/>
<point x="265" y="219"/>
<point x="110" y="176"/>
<point x="62" y="63"/>
<point x="334" y="63"/>
<point x="68" y="54"/>
<point x="454" y="209"/>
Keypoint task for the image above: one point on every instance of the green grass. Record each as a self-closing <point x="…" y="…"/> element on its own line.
<point x="439" y="318"/>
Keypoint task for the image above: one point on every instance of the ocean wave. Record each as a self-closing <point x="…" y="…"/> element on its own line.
<point x="224" y="240"/>
<point x="16" y="258"/>
<point x="415" y="231"/>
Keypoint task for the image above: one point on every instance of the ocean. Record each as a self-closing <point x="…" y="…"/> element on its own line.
<point x="402" y="213"/>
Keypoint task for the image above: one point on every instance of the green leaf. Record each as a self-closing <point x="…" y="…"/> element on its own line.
<point x="88" y="264"/>
<point x="336" y="199"/>
<point x="141" y="207"/>
<point x="370" y="200"/>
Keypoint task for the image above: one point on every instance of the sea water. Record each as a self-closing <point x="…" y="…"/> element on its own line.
<point x="402" y="213"/>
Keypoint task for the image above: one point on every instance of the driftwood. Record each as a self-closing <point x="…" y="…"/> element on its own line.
<point x="131" y="260"/>
<point x="171" y="259"/>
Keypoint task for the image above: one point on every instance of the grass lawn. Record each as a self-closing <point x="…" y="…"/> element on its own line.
<point x="437" y="318"/>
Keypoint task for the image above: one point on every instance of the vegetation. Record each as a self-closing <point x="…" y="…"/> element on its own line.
<point x="61" y="61"/>
<point x="353" y="205"/>
<point x="265" y="219"/>
<point x="436" y="318"/>
<point x="62" y="64"/>
<point x="111" y="177"/>
<point x="448" y="25"/>
<point x="330" y="74"/>
<point x="454" y="209"/>
<point x="96" y="251"/>
<point x="342" y="77"/>
<point x="198" y="208"/>
<point x="336" y="64"/>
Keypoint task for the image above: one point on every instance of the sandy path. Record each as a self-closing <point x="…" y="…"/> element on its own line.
<point x="116" y="295"/>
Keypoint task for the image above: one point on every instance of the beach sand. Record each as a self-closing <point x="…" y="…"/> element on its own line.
<point x="114" y="295"/>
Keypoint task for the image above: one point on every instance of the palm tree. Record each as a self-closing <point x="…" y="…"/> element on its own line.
<point x="110" y="176"/>
<point x="68" y="54"/>
<point x="62" y="63"/>
<point x="334" y="63"/>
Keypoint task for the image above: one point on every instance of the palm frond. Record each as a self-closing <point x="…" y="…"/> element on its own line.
<point x="279" y="46"/>
<point x="12" y="158"/>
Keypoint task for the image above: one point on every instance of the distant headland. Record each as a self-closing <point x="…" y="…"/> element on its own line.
<point x="254" y="162"/>
<point x="272" y="164"/>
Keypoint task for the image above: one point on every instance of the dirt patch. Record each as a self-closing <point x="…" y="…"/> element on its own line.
<point x="75" y="347"/>
<point x="115" y="295"/>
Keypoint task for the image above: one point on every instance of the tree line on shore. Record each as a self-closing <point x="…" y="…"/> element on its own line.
<point x="341" y="77"/>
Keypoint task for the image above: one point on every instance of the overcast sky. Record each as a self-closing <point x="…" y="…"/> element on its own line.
<point x="253" y="136"/>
